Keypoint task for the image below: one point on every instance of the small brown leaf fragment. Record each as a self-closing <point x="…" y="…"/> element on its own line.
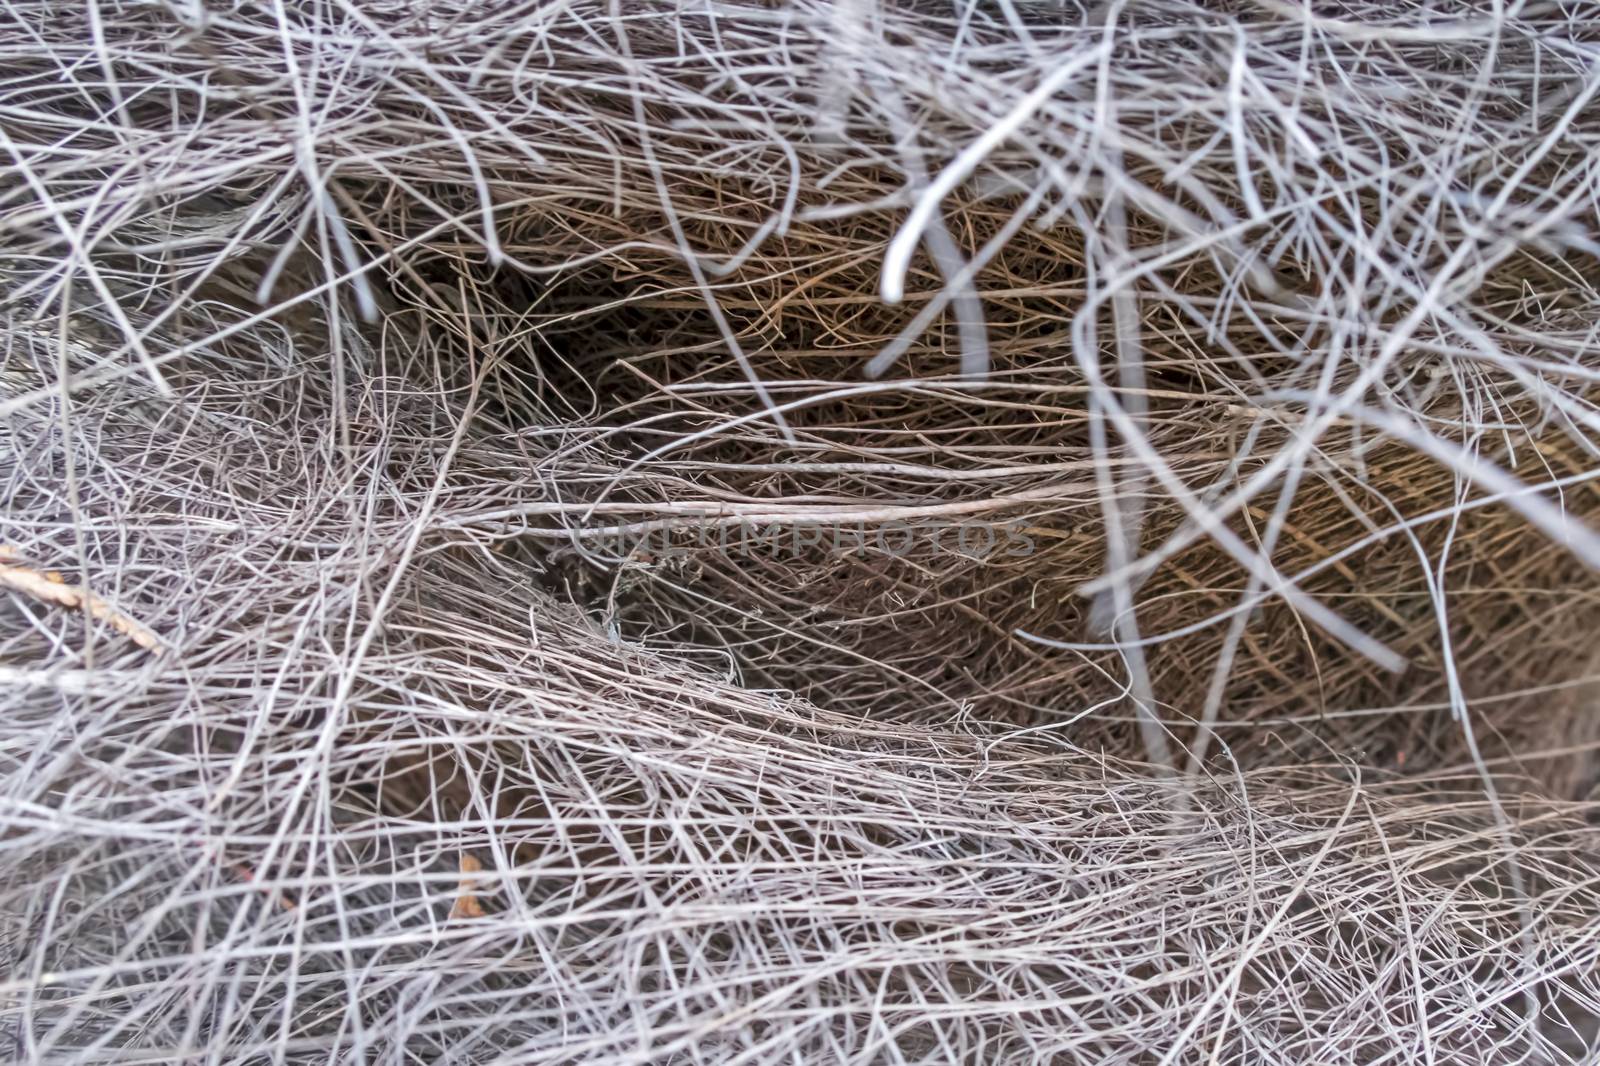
<point x="248" y="875"/>
<point x="466" y="904"/>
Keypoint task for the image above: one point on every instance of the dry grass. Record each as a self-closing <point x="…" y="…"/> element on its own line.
<point x="370" y="355"/>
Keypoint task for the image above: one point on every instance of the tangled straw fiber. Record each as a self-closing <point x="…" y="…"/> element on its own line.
<point x="373" y="804"/>
<point x="446" y="613"/>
